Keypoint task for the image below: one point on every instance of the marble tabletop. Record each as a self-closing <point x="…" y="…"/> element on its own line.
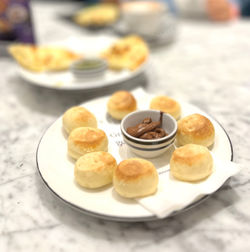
<point x="207" y="65"/>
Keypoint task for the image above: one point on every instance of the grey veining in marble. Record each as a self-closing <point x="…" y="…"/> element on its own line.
<point x="207" y="65"/>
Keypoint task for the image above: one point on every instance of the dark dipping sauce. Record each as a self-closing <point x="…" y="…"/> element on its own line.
<point x="148" y="129"/>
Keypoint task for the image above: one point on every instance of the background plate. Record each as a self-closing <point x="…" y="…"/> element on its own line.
<point x="89" y="46"/>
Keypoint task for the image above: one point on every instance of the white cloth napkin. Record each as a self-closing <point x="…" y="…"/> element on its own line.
<point x="173" y="195"/>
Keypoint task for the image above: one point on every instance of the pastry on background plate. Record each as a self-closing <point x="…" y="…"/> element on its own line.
<point x="191" y="163"/>
<point x="76" y="117"/>
<point x="135" y="177"/>
<point x="97" y="15"/>
<point x="126" y="53"/>
<point x="43" y="58"/>
<point x="196" y="129"/>
<point x="95" y="169"/>
<point x="120" y="104"/>
<point x="86" y="139"/>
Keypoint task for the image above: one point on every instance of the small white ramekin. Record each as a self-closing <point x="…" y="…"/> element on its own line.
<point x="149" y="148"/>
<point x="89" y="72"/>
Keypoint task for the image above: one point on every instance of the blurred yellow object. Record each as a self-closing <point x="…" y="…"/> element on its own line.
<point x="127" y="53"/>
<point x="40" y="59"/>
<point x="97" y="15"/>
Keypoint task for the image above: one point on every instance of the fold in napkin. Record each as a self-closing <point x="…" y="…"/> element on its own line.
<point x="173" y="195"/>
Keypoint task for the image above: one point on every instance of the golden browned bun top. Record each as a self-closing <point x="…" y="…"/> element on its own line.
<point x="196" y="125"/>
<point x="78" y="114"/>
<point x="133" y="169"/>
<point x="87" y="136"/>
<point x="96" y="160"/>
<point x="164" y="104"/>
<point x="122" y="100"/>
<point x="189" y="154"/>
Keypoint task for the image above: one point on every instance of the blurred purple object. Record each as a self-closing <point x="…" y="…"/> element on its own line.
<point x="16" y="21"/>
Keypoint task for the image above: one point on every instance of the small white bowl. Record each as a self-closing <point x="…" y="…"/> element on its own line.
<point x="91" y="71"/>
<point x="149" y="148"/>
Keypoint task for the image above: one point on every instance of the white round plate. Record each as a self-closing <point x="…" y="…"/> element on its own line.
<point x="64" y="80"/>
<point x="57" y="168"/>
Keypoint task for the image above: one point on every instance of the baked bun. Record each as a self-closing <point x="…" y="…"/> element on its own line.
<point x="166" y="105"/>
<point x="95" y="169"/>
<point x="120" y="104"/>
<point x="191" y="163"/>
<point x="76" y="117"/>
<point x="135" y="177"/>
<point x="84" y="140"/>
<point x="196" y="129"/>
